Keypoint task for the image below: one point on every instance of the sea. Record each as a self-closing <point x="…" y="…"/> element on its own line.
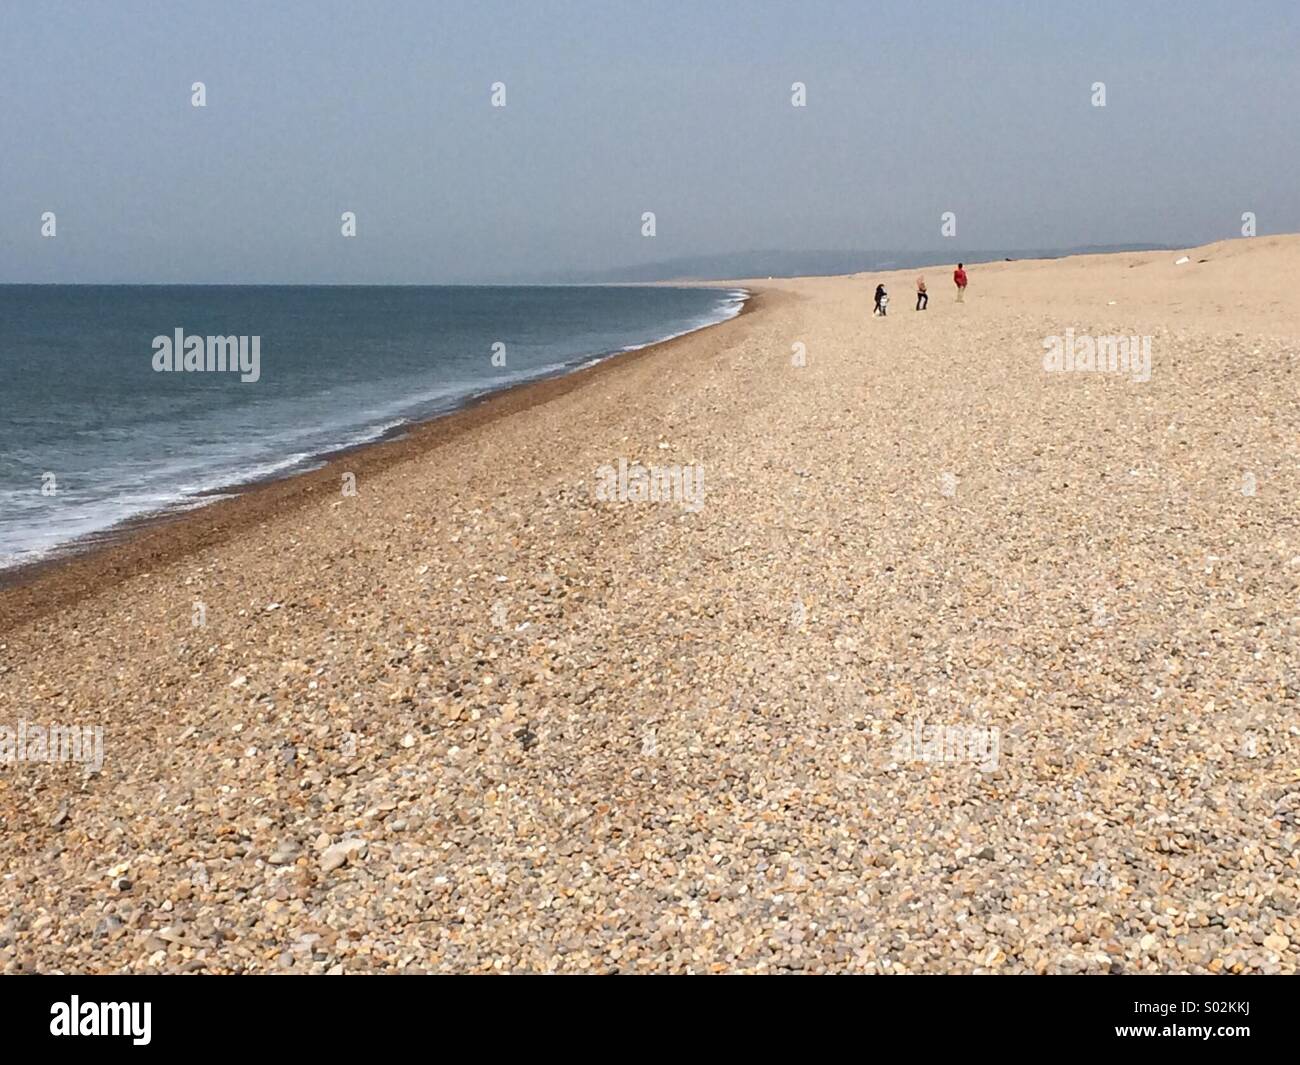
<point x="101" y="422"/>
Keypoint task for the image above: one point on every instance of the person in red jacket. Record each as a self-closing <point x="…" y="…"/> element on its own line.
<point x="959" y="279"/>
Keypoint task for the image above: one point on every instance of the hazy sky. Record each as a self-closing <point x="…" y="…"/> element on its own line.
<point x="614" y="108"/>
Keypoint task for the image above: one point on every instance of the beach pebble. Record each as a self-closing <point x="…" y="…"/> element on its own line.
<point x="339" y="854"/>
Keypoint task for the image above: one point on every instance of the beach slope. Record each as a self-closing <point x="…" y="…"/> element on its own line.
<point x="473" y="717"/>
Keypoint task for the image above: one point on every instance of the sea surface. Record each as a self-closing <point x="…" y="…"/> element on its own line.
<point x="91" y="434"/>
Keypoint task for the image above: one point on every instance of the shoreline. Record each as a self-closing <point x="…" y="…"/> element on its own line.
<point x="478" y="718"/>
<point x="94" y="563"/>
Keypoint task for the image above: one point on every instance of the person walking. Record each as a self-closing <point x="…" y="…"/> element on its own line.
<point x="922" y="297"/>
<point x="959" y="279"/>
<point x="882" y="301"/>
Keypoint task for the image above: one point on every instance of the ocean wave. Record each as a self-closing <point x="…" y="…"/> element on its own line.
<point x="225" y="453"/>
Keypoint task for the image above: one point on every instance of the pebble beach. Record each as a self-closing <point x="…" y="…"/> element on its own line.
<point x="478" y="717"/>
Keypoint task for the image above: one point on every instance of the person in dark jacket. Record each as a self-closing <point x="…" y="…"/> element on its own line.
<point x="882" y="301"/>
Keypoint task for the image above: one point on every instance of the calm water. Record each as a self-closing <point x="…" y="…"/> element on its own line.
<point x="91" y="434"/>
